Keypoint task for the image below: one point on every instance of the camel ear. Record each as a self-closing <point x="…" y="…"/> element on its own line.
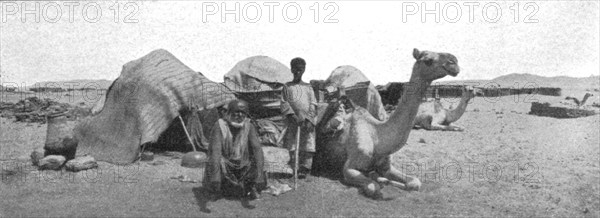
<point x="416" y="53"/>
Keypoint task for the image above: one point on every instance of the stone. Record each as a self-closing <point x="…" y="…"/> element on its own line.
<point x="81" y="163"/>
<point x="52" y="162"/>
<point x="36" y="156"/>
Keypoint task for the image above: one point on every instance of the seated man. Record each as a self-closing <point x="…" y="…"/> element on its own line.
<point x="235" y="155"/>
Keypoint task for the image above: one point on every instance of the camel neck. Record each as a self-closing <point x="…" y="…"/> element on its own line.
<point x="395" y="131"/>
<point x="585" y="98"/>
<point x="456" y="113"/>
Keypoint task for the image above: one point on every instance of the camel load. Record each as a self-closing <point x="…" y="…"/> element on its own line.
<point x="351" y="82"/>
<point x="259" y="80"/>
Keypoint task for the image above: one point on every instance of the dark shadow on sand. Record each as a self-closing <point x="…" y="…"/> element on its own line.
<point x="204" y="196"/>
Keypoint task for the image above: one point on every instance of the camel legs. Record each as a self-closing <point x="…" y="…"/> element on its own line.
<point x="412" y="183"/>
<point x="435" y="126"/>
<point x="357" y="178"/>
<point x="452" y="127"/>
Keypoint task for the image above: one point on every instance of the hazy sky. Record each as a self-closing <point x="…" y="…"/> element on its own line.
<point x="371" y="36"/>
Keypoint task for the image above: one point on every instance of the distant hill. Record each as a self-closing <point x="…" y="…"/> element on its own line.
<point x="82" y="83"/>
<point x="508" y="81"/>
<point x="557" y="81"/>
<point x="524" y="79"/>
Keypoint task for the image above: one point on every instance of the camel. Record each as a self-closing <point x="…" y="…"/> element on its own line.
<point x="368" y="143"/>
<point x="433" y="116"/>
<point x="577" y="102"/>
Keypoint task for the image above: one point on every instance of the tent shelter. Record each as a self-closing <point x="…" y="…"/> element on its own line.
<point x="141" y="103"/>
<point x="259" y="81"/>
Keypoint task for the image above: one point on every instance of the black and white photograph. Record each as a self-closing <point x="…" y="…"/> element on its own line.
<point x="305" y="108"/>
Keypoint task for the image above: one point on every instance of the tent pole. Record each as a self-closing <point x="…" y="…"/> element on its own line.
<point x="186" y="133"/>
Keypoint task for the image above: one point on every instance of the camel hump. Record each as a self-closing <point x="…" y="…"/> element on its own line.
<point x="362" y="113"/>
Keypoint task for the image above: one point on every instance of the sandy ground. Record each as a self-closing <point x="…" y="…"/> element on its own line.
<point x="506" y="163"/>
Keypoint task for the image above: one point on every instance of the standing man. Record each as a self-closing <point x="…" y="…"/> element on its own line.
<point x="299" y="105"/>
<point x="235" y="154"/>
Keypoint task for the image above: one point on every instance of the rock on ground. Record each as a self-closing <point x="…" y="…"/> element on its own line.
<point x="81" y="163"/>
<point x="36" y="156"/>
<point x="52" y="162"/>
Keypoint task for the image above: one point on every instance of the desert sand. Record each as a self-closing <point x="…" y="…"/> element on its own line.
<point x="506" y="163"/>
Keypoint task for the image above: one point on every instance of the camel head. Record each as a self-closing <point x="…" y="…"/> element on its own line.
<point x="479" y="91"/>
<point x="430" y="65"/>
<point x="470" y="92"/>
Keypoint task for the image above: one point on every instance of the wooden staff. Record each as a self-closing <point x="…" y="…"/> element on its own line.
<point x="296" y="154"/>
